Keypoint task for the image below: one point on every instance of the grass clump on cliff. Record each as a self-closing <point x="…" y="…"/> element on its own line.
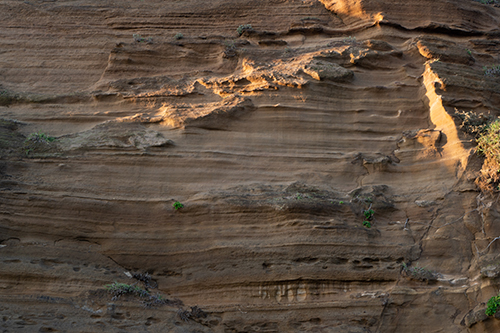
<point x="492" y="70"/>
<point x="148" y="299"/>
<point x="419" y="273"/>
<point x="118" y="289"/>
<point x="40" y="137"/>
<point x="231" y="49"/>
<point x="140" y="39"/>
<point x="177" y="205"/>
<point x="488" y="145"/>
<point x="195" y="312"/>
<point x="472" y="123"/>
<point x="368" y="214"/>
<point x="38" y="142"/>
<point x="486" y="131"/>
<point x="488" y="2"/>
<point x="492" y="305"/>
<point x="244" y="28"/>
<point x="146" y="279"/>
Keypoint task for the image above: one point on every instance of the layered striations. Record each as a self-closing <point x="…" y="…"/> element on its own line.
<point x="326" y="182"/>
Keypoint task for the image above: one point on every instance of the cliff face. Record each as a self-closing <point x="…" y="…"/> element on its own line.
<point x="281" y="126"/>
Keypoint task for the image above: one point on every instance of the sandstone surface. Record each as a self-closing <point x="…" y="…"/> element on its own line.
<point x="279" y="138"/>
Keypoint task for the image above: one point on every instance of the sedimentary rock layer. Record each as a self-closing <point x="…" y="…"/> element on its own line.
<point x="326" y="183"/>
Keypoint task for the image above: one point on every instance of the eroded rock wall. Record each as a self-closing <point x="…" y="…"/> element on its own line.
<point x="280" y="140"/>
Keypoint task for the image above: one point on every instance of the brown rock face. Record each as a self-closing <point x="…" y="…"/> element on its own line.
<point x="246" y="166"/>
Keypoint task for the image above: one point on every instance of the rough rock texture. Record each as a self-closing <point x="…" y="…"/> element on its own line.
<point x="279" y="142"/>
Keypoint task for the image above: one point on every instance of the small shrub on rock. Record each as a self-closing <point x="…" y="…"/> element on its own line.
<point x="492" y="305"/>
<point x="195" y="312"/>
<point x="231" y="49"/>
<point x="37" y="142"/>
<point x="368" y="214"/>
<point x="140" y="39"/>
<point x="146" y="279"/>
<point x="488" y="145"/>
<point x="488" y="2"/>
<point x="177" y="205"/>
<point x="419" y="273"/>
<point x="244" y="27"/>
<point x="473" y="123"/>
<point x="156" y="301"/>
<point x="492" y="70"/>
<point x="118" y="289"/>
<point x="40" y="137"/>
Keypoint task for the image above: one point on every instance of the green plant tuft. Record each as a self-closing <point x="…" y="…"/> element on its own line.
<point x="118" y="289"/>
<point x="472" y="123"/>
<point x="40" y="137"/>
<point x="419" y="273"/>
<point x="178" y="36"/>
<point x="140" y="39"/>
<point x="368" y="214"/>
<point x="488" y="145"/>
<point x="244" y="27"/>
<point x="492" y="305"/>
<point x="38" y="141"/>
<point x="231" y="49"/>
<point x="488" y="2"/>
<point x="195" y="312"/>
<point x="350" y="40"/>
<point x="177" y="205"/>
<point x="156" y="301"/>
<point x="491" y="70"/>
<point x="489" y="142"/>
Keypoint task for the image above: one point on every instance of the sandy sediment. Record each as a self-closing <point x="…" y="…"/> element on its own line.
<point x="278" y="142"/>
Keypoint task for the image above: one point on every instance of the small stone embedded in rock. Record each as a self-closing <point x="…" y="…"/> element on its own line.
<point x="323" y="70"/>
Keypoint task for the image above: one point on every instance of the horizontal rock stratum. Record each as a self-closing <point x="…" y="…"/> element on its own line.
<point x="246" y="166"/>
